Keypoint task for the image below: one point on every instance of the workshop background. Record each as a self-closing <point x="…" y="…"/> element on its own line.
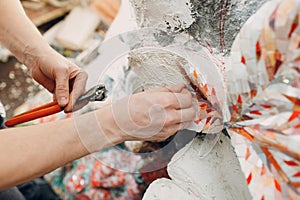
<point x="15" y="79"/>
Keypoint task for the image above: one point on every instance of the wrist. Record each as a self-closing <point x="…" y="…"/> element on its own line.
<point x="109" y="126"/>
<point x="33" y="52"/>
<point x="97" y="130"/>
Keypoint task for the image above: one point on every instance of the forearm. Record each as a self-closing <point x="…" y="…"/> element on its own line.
<point x="30" y="152"/>
<point x="18" y="33"/>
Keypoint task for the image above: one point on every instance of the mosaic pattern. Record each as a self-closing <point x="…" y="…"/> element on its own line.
<point x="264" y="91"/>
<point x="218" y="22"/>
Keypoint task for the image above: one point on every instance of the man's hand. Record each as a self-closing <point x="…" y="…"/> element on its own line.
<point x="58" y="75"/>
<point x="153" y="115"/>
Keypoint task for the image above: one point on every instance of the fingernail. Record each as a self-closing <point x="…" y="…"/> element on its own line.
<point x="63" y="100"/>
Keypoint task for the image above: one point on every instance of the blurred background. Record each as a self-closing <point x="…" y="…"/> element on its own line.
<point x="74" y="28"/>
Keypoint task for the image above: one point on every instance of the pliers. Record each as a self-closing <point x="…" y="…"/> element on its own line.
<point x="96" y="93"/>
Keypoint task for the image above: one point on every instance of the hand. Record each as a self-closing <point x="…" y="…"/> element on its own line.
<point x="153" y="115"/>
<point x="58" y="75"/>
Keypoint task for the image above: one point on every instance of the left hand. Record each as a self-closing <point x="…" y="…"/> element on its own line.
<point x="59" y="76"/>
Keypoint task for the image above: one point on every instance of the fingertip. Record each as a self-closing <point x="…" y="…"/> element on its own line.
<point x="188" y="96"/>
<point x="62" y="101"/>
<point x="178" y="88"/>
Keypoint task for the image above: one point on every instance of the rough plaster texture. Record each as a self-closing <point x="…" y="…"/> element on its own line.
<point x="212" y="23"/>
<point x="173" y="15"/>
<point x="214" y="176"/>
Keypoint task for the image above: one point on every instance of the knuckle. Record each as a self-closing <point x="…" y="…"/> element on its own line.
<point x="163" y="101"/>
<point x="63" y="70"/>
<point x="173" y="118"/>
<point x="80" y="74"/>
<point x="61" y="88"/>
<point x="170" y="101"/>
<point x="188" y="98"/>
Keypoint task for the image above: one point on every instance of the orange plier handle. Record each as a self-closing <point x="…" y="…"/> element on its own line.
<point x="41" y="111"/>
<point x="96" y="93"/>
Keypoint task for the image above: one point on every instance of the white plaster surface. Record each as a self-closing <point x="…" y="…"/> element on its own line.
<point x="174" y="15"/>
<point x="214" y="176"/>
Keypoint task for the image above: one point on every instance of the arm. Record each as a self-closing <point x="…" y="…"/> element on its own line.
<point x="47" y="67"/>
<point x="29" y="152"/>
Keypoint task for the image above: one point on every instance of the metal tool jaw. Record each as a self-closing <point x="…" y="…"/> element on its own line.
<point x="96" y="93"/>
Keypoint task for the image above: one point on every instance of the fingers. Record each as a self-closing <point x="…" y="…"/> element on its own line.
<point x="168" y="131"/>
<point x="78" y="87"/>
<point x="176" y="88"/>
<point x="70" y="83"/>
<point x="175" y="97"/>
<point x="181" y="100"/>
<point x="176" y="127"/>
<point x="155" y="114"/>
<point x="180" y="112"/>
<point x="61" y="77"/>
<point x="170" y="100"/>
<point x="180" y="116"/>
<point x="62" y="86"/>
<point x="39" y="77"/>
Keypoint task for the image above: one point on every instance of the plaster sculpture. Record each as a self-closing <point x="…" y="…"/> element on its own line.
<point x="198" y="171"/>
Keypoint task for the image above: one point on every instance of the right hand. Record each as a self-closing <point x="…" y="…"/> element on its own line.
<point x="58" y="75"/>
<point x="153" y="115"/>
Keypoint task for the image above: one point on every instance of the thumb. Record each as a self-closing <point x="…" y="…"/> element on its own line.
<point x="62" y="89"/>
<point x="176" y="88"/>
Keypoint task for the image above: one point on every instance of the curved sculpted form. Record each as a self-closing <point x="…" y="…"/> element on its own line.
<point x="251" y="90"/>
<point x="265" y="62"/>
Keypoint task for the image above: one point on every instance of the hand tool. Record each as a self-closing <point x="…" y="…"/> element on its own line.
<point x="96" y="93"/>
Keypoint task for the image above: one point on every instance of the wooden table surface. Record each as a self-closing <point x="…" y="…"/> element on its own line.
<point x="46" y="14"/>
